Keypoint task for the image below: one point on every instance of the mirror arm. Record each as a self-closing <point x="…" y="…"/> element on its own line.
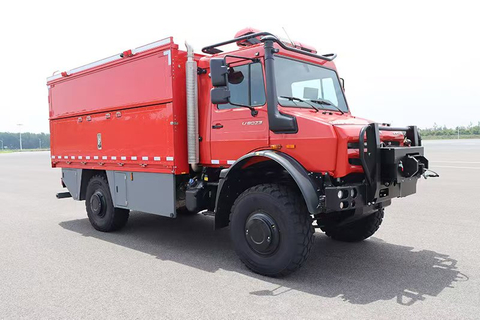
<point x="253" y="112"/>
<point x="240" y="57"/>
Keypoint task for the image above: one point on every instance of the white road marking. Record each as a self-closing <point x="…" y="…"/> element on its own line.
<point x="453" y="167"/>
<point x="469" y="162"/>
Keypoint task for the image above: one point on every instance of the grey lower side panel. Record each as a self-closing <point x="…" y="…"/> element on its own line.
<point x="143" y="191"/>
<point x="72" y="179"/>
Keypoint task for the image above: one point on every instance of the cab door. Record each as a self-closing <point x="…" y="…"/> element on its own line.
<point x="234" y="130"/>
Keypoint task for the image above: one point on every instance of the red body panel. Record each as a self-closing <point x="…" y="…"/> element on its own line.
<point x="136" y="104"/>
<point x="139" y="138"/>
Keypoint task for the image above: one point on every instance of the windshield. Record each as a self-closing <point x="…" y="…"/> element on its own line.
<point x="308" y="82"/>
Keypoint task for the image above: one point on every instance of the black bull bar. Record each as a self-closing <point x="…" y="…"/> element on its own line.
<point x="386" y="165"/>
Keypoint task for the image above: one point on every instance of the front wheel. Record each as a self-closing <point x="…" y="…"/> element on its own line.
<point x="356" y="231"/>
<point x="271" y="229"/>
<point x="100" y="209"/>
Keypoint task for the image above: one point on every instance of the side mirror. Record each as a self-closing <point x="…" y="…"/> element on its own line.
<point x="220" y="95"/>
<point x="218" y="72"/>
<point x="342" y="83"/>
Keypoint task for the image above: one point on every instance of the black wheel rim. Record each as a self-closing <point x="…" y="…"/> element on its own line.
<point x="98" y="204"/>
<point x="262" y="234"/>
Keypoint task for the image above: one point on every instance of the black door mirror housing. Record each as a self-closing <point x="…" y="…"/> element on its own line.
<point x="218" y="72"/>
<point x="220" y="95"/>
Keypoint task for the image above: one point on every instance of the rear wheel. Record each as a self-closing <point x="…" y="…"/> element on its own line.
<point x="356" y="231"/>
<point x="271" y="229"/>
<point x="100" y="210"/>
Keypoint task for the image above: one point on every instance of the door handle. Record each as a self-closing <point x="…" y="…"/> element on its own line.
<point x="217" y="126"/>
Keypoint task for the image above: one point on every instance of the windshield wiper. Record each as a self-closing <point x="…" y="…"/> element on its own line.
<point x="326" y="102"/>
<point x="300" y="100"/>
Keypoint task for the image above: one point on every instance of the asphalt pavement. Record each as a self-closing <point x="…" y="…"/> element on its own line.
<point x="423" y="263"/>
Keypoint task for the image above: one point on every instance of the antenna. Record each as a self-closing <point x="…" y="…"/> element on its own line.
<point x="293" y="45"/>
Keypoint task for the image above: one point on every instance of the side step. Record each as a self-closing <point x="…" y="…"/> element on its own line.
<point x="62" y="195"/>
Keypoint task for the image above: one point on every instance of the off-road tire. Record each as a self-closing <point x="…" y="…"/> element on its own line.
<point x="184" y="212"/>
<point x="293" y="238"/>
<point x="358" y="230"/>
<point x="104" y="217"/>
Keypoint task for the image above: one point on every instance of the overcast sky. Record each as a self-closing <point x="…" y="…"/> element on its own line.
<point x="404" y="62"/>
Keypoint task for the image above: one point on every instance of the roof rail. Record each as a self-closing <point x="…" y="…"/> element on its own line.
<point x="119" y="56"/>
<point x="212" y="49"/>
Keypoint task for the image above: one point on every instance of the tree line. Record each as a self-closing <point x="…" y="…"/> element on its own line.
<point x="443" y="131"/>
<point x="29" y="140"/>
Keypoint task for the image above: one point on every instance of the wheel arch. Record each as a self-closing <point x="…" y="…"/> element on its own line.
<point x="227" y="191"/>
<point x="86" y="175"/>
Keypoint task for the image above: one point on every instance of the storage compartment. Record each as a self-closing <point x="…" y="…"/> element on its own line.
<point x="124" y="113"/>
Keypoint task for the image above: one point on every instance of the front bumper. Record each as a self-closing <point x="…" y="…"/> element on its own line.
<point x="389" y="171"/>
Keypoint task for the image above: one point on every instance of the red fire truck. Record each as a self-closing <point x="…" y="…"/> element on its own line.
<point x="260" y="137"/>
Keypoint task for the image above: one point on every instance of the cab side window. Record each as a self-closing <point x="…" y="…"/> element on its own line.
<point x="246" y="86"/>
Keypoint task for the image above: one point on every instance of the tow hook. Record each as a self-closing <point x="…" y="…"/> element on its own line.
<point x="430" y="174"/>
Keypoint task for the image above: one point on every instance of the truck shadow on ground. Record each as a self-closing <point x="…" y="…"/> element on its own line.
<point x="359" y="273"/>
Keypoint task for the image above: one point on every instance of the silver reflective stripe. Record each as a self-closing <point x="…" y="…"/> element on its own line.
<point x="87" y="66"/>
<point x="95" y="64"/>
<point x="146" y="47"/>
<point x="152" y="45"/>
<point x="54" y="77"/>
<point x="169" y="54"/>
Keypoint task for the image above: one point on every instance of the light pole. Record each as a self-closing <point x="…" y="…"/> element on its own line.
<point x="20" y="129"/>
<point x="40" y="141"/>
